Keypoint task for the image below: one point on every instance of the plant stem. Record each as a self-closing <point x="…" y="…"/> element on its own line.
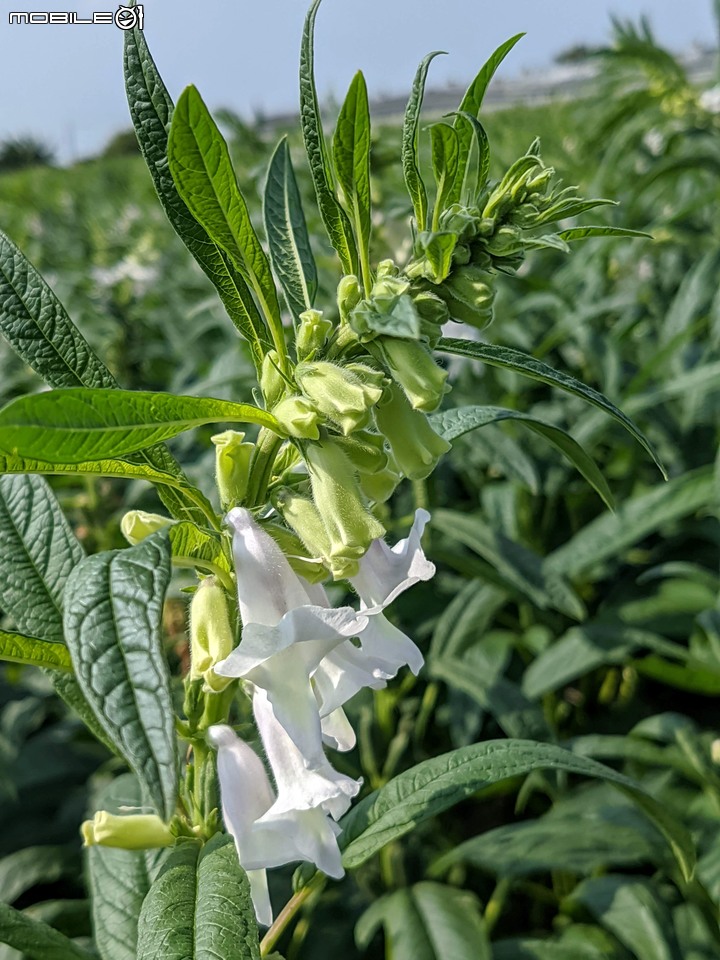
<point x="266" y="450"/>
<point x="288" y="912"/>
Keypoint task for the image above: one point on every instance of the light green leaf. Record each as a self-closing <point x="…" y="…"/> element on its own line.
<point x="151" y="109"/>
<point x="35" y="939"/>
<point x="120" y="879"/>
<point x="455" y="422"/>
<point x="287" y="233"/>
<point x="608" y="536"/>
<point x="201" y="167"/>
<point x="583" y="233"/>
<point x="192" y="546"/>
<point x="113" y="628"/>
<point x="444" y="154"/>
<point x="483" y="158"/>
<point x="427" y="921"/>
<point x="38" y="653"/>
<point x="537" y="370"/>
<point x="333" y="216"/>
<point x="199" y="907"/>
<point x="410" y="149"/>
<point x="75" y="425"/>
<point x="437" y="784"/>
<point x="351" y="156"/>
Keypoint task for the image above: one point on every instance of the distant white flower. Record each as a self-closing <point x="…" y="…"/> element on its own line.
<point x="710" y="99"/>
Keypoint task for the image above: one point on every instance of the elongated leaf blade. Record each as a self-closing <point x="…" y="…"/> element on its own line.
<point x="75" y="425"/>
<point x="113" y="628"/>
<point x="192" y="546"/>
<point x="333" y="216"/>
<point x="151" y="110"/>
<point x="351" y="156"/>
<point x="583" y="233"/>
<point x="199" y="907"/>
<point x="444" y="153"/>
<point x="287" y="233"/>
<point x="39" y="653"/>
<point x="410" y="145"/>
<point x="453" y="423"/>
<point x="439" y="783"/>
<point x="35" y="939"/>
<point x="537" y="370"/>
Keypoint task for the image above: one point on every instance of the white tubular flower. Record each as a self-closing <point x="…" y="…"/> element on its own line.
<point x="285" y="634"/>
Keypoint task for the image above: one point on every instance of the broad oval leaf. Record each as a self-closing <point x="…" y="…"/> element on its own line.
<point x="410" y="151"/>
<point x="113" y="628"/>
<point x="199" y="907"/>
<point x="74" y="425"/>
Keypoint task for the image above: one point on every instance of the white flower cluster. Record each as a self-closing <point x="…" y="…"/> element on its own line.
<point x="302" y="660"/>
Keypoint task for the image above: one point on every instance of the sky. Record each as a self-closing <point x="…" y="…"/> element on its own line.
<point x="63" y="83"/>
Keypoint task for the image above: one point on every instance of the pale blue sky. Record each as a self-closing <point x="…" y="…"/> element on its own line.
<point x="64" y="83"/>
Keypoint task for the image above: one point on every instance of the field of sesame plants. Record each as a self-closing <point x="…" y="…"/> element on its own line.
<point x="359" y="529"/>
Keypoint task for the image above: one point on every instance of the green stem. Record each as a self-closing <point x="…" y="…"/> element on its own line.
<point x="266" y="450"/>
<point x="288" y="912"/>
<point x="495" y="904"/>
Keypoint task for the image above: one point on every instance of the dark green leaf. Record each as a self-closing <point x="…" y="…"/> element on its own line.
<point x="444" y="153"/>
<point x="351" y="156"/>
<point x="410" y="150"/>
<point x="36" y="940"/>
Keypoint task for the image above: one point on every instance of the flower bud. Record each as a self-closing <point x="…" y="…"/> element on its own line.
<point x="364" y="450"/>
<point x="416" y="448"/>
<point x="349" y="296"/>
<point x="298" y="417"/>
<point x="137" y="524"/>
<point x="433" y="255"/>
<point x="413" y="367"/>
<point x="312" y="334"/>
<point x="309" y="567"/>
<point x="379" y="487"/>
<point x="349" y="525"/>
<point x="232" y="466"/>
<point x="304" y="517"/>
<point x="506" y="242"/>
<point x="272" y="382"/>
<point x="341" y="395"/>
<point x="211" y="633"/>
<point x="138" y="831"/>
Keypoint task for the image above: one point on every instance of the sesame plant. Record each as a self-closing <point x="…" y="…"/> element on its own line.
<point x="245" y="759"/>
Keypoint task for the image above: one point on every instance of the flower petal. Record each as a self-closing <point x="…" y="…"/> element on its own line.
<point x="337" y="731"/>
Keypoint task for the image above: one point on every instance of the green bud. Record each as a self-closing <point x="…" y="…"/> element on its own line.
<point x="365" y="451"/>
<point x="380" y="486"/>
<point x="272" y="382"/>
<point x="312" y="334"/>
<point x="413" y="367"/>
<point x="506" y="242"/>
<point x="298" y="417"/>
<point x="433" y="255"/>
<point x="211" y="633"/>
<point x="232" y="466"/>
<point x="338" y="393"/>
<point x="304" y="517"/>
<point x="462" y="221"/>
<point x="478" y="317"/>
<point x="349" y="525"/>
<point x="309" y="567"/>
<point x="416" y="448"/>
<point x="138" y="831"/>
<point x="433" y="313"/>
<point x="349" y="295"/>
<point x="137" y="524"/>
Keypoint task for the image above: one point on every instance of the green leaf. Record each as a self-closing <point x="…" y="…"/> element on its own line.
<point x="410" y="149"/>
<point x="36" y="326"/>
<point x="632" y="910"/>
<point x="444" y="154"/>
<point x="520" y="568"/>
<point x="578" y="942"/>
<point x="483" y="157"/>
<point x="537" y="370"/>
<point x="287" y="233"/>
<point x="351" y="156"/>
<point x="38" y="653"/>
<point x="199" y="907"/>
<point x="583" y="233"/>
<point x="437" y="784"/>
<point x="201" y="167"/>
<point x="471" y="103"/>
<point x="608" y="536"/>
<point x="24" y="869"/>
<point x="36" y="940"/>
<point x="453" y="423"/>
<point x="120" y="879"/>
<point x="427" y="921"/>
<point x="68" y="689"/>
<point x="74" y="425"/>
<point x="113" y="628"/>
<point x="151" y="109"/>
<point x="193" y="547"/>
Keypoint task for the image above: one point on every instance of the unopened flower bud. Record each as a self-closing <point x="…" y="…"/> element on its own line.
<point x="309" y="567"/>
<point x="232" y="466"/>
<point x="272" y="382"/>
<point x="349" y="295"/>
<point x="136" y="525"/>
<point x="413" y="367"/>
<point x="211" y="633"/>
<point x="416" y="448"/>
<point x="312" y="334"/>
<point x="365" y="451"/>
<point x="303" y="516"/>
<point x="379" y="487"/>
<point x="506" y="242"/>
<point x="338" y="393"/>
<point x="298" y="417"/>
<point x="138" y="831"/>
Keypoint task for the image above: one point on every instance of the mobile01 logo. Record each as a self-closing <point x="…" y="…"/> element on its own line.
<point x="126" y="18"/>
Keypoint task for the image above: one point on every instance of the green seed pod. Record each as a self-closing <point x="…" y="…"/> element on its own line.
<point x="272" y="383"/>
<point x="338" y="393"/>
<point x="412" y="366"/>
<point x="416" y="448"/>
<point x="349" y="295"/>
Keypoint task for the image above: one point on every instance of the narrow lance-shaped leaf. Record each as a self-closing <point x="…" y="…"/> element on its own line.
<point x="35" y="939"/>
<point x="201" y="167"/>
<point x="584" y="233"/>
<point x="410" y="146"/>
<point x="444" y="151"/>
<point x="483" y="159"/>
<point x="151" y="109"/>
<point x="113" y="629"/>
<point x="333" y="216"/>
<point x="287" y="233"/>
<point x="471" y="103"/>
<point x="351" y="155"/>
<point x="71" y="426"/>
<point x="537" y="370"/>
